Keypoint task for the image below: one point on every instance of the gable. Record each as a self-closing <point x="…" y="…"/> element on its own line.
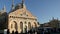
<point x="23" y="12"/>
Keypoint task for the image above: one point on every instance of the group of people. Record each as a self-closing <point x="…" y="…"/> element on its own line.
<point x="12" y="32"/>
<point x="38" y="31"/>
<point x="29" y="32"/>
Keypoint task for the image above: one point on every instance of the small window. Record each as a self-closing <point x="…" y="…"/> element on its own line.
<point x="10" y="16"/>
<point x="25" y="22"/>
<point x="21" y="14"/>
<point x="13" y="16"/>
<point x="27" y="15"/>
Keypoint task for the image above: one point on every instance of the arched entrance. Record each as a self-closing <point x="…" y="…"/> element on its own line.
<point x="15" y="23"/>
<point x="13" y="26"/>
<point x="29" y="25"/>
<point x="21" y="26"/>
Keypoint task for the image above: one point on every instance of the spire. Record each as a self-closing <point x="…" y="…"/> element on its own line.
<point x="22" y="3"/>
<point x="4" y="8"/>
<point x="12" y="4"/>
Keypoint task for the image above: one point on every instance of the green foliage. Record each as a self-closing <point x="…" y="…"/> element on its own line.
<point x="3" y="21"/>
<point x="54" y="23"/>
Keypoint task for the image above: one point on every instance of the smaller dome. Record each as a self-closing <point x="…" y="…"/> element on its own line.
<point x="18" y="6"/>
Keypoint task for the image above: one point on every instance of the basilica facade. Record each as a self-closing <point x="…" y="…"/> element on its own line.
<point x="20" y="19"/>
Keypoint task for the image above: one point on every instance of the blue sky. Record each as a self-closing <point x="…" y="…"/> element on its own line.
<point x="44" y="10"/>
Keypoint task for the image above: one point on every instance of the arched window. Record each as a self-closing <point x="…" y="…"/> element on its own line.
<point x="21" y="25"/>
<point x="15" y="25"/>
<point x="29" y="25"/>
<point x="10" y="16"/>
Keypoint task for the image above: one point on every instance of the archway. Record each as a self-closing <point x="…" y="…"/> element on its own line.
<point x="15" y="24"/>
<point x="21" y="26"/>
<point x="29" y="25"/>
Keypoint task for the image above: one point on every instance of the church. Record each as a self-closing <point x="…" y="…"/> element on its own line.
<point x="20" y="19"/>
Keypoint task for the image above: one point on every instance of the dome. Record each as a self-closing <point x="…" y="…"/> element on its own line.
<point x="18" y="6"/>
